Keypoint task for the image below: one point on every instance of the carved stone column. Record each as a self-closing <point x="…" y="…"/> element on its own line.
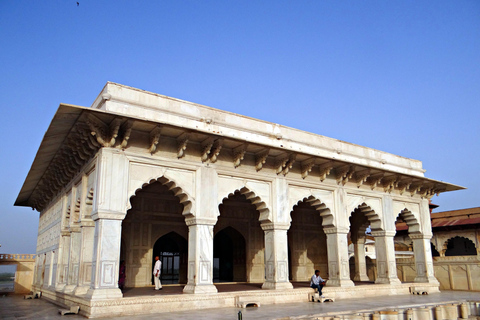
<point x="337" y="250"/>
<point x="200" y="256"/>
<point x="62" y="264"/>
<point x="385" y="253"/>
<point x="108" y="210"/>
<point x="106" y="256"/>
<point x="423" y="258"/>
<point x="73" y="259"/>
<point x="360" y="263"/>
<point x="86" y="257"/>
<point x="276" y="256"/>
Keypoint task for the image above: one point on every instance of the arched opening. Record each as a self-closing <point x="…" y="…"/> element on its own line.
<point x="357" y="237"/>
<point x="460" y="246"/>
<point x="172" y="250"/>
<point x="238" y="246"/>
<point x="229" y="256"/>
<point x="307" y="243"/>
<point x="154" y="226"/>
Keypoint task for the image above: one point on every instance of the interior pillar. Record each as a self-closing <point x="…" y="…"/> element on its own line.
<point x="385" y="254"/>
<point x="200" y="256"/>
<point x="423" y="258"/>
<point x="337" y="250"/>
<point x="276" y="256"/>
<point x="360" y="262"/>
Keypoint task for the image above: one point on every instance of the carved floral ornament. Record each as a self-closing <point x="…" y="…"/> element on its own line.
<point x="90" y="133"/>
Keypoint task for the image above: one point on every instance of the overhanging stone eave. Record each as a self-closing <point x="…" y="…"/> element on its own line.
<point x="58" y="131"/>
<point x="52" y="141"/>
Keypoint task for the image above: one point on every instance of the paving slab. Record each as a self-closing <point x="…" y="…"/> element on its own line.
<point x="15" y="307"/>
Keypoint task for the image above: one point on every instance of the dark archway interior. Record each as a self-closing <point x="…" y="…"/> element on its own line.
<point x="460" y="246"/>
<point x="229" y="256"/>
<point x="173" y="252"/>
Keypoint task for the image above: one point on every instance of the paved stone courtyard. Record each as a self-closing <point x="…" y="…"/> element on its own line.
<point x="14" y="307"/>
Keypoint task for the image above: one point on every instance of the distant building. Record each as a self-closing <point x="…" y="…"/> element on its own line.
<point x="455" y="247"/>
<point x="219" y="197"/>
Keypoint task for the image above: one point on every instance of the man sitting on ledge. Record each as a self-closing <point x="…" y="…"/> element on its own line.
<point x="317" y="283"/>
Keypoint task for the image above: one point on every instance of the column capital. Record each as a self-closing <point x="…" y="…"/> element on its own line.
<point x="420" y="236"/>
<point x="200" y="221"/>
<point x="383" y="233"/>
<point x="74" y="228"/>
<point x="340" y="230"/>
<point x="275" y="226"/>
<point x="108" y="215"/>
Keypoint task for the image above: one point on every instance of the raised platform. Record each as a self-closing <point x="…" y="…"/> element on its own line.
<point x="147" y="301"/>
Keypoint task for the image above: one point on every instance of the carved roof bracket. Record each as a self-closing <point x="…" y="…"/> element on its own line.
<point x="307" y="166"/>
<point x="182" y="141"/>
<point x="207" y="145"/>
<point x="126" y="132"/>
<point x="402" y="185"/>
<point x="238" y="154"/>
<point x="284" y="162"/>
<point x="261" y="158"/>
<point x="415" y="187"/>
<point x="388" y="183"/>
<point x="325" y="169"/>
<point x="211" y="149"/>
<point x="362" y="176"/>
<point x="374" y="180"/>
<point x="105" y="135"/>
<point x="217" y="146"/>
<point x="154" y="139"/>
<point x="344" y="173"/>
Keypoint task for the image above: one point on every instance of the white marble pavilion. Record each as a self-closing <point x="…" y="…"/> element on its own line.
<point x="220" y="197"/>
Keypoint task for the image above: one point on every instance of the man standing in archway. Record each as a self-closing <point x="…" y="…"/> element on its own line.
<point x="156" y="273"/>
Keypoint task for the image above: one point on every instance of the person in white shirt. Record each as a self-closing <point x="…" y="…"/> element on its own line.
<point x="317" y="283"/>
<point x="156" y="273"/>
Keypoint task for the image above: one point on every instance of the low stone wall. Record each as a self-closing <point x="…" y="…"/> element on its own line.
<point x="25" y="268"/>
<point x="453" y="273"/>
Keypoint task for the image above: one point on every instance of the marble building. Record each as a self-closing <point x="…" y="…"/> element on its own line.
<point x="219" y="196"/>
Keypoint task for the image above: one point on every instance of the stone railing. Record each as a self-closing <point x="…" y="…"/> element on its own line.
<point x="453" y="272"/>
<point x="16" y="257"/>
<point x="25" y="265"/>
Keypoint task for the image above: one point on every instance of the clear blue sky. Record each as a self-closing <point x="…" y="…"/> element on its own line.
<point x="398" y="76"/>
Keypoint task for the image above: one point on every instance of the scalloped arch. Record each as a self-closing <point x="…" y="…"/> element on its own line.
<point x="182" y="196"/>
<point x="373" y="218"/>
<point x="259" y="204"/>
<point x="412" y="222"/>
<point x="325" y="212"/>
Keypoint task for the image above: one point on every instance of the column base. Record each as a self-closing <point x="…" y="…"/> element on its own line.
<point x="81" y="290"/>
<point x="361" y="278"/>
<point x="340" y="283"/>
<point x="431" y="280"/>
<point x="102" y="294"/>
<point x="200" y="289"/>
<point x="277" y="285"/>
<point x="69" y="288"/>
<point x="388" y="281"/>
<point x="60" y="288"/>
